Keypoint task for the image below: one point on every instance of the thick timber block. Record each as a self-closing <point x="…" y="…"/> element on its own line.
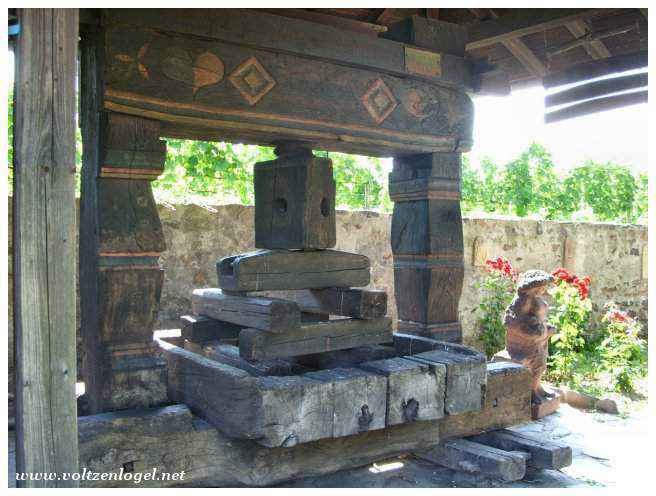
<point x="172" y="439"/>
<point x="347" y="302"/>
<point x="545" y="454"/>
<point x="466" y="378"/>
<point x="507" y="403"/>
<point x="468" y="456"/>
<point x="349" y="357"/>
<point x="270" y="314"/>
<point x="273" y="410"/>
<point x="319" y="337"/>
<point x="415" y="391"/>
<point x="267" y="270"/>
<point x="359" y="399"/>
<point x="229" y="355"/>
<point x="200" y="329"/>
<point x="294" y="201"/>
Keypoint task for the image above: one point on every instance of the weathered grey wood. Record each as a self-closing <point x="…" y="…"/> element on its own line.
<point x="347" y="358"/>
<point x="266" y="270"/>
<point x="294" y="200"/>
<point x="319" y="337"/>
<point x="545" y="454"/>
<point x="415" y="391"/>
<point x="270" y="314"/>
<point x="200" y="329"/>
<point x="348" y="302"/>
<point x="461" y="454"/>
<point x="359" y="399"/>
<point x="440" y="36"/>
<point x="171" y="439"/>
<point x="466" y="378"/>
<point x="275" y="411"/>
<point x="507" y="403"/>
<point x="597" y="105"/>
<point x="44" y="244"/>
<point x="229" y="355"/>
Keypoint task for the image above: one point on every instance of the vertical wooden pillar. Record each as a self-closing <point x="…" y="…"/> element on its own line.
<point x="427" y="244"/>
<point x="44" y="244"/>
<point x="121" y="239"/>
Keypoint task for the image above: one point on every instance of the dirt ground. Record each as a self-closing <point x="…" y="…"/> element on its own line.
<point x="603" y="448"/>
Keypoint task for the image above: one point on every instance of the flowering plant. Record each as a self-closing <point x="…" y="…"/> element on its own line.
<point x="497" y="293"/>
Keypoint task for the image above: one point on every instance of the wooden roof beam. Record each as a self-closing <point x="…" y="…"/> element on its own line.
<point x="598" y="105"/>
<point x="596" y="68"/>
<point x="595" y="48"/>
<point x="522" y="22"/>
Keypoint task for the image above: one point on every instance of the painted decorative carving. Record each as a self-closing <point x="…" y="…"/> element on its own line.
<point x="252" y="80"/>
<point x="204" y="70"/>
<point x="379" y="101"/>
<point x="124" y="64"/>
<point x="527" y="330"/>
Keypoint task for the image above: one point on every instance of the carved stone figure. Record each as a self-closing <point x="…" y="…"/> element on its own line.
<point x="527" y="331"/>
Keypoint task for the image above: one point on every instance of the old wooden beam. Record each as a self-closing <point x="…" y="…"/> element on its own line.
<point x="269" y="314"/>
<point x="522" y="22"/>
<point x="439" y="36"/>
<point x="545" y="454"/>
<point x="596" y="68"/>
<point x="596" y="105"/>
<point x="200" y="329"/>
<point x="331" y="20"/>
<point x="44" y="245"/>
<point x="310" y="338"/>
<point x="595" y="48"/>
<point x="266" y="270"/>
<point x="467" y="456"/>
<point x="347" y="302"/>
<point x="229" y="355"/>
<point x="349" y="357"/>
<point x="596" y="89"/>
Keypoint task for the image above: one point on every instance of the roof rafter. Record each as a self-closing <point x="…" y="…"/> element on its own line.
<point x="595" y="48"/>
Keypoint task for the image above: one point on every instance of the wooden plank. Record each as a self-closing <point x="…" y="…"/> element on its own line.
<point x="359" y="399"/>
<point x="595" y="48"/>
<point x="464" y="455"/>
<point x="526" y="57"/>
<point x="596" y="105"/>
<point x="439" y="36"/>
<point x="545" y="454"/>
<point x="269" y="314"/>
<point x="200" y="329"/>
<point x="44" y="244"/>
<point x="596" y="88"/>
<point x="415" y="391"/>
<point x="274" y="411"/>
<point x="507" y="403"/>
<point x="522" y="22"/>
<point x="266" y="270"/>
<point x="331" y="20"/>
<point x="596" y="68"/>
<point x="281" y="34"/>
<point x="319" y="337"/>
<point x="347" y="358"/>
<point x="466" y="378"/>
<point x="171" y="439"/>
<point x="229" y="355"/>
<point x="348" y="302"/>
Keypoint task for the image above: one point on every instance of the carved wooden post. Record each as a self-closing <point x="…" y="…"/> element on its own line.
<point x="427" y="243"/>
<point x="120" y="242"/>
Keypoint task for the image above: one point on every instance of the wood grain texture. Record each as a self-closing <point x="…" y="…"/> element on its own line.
<point x="266" y="270"/>
<point x="292" y="96"/>
<point x="310" y="338"/>
<point x="200" y="329"/>
<point x="269" y="314"/>
<point x="44" y="244"/>
<point x="347" y="302"/>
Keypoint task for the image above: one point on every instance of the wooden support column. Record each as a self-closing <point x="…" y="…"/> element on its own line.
<point x="120" y="242"/>
<point x="427" y="244"/>
<point x="44" y="244"/>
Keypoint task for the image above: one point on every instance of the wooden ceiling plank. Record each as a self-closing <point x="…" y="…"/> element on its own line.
<point x="596" y="89"/>
<point x="595" y="48"/>
<point x="594" y="106"/>
<point x="596" y="68"/>
<point x="522" y="22"/>
<point x="330" y="20"/>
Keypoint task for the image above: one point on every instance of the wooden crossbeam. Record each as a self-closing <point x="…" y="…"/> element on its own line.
<point x="596" y="68"/>
<point x="597" y="105"/>
<point x="330" y="20"/>
<point x="596" y="89"/>
<point x="522" y="22"/>
<point x="595" y="48"/>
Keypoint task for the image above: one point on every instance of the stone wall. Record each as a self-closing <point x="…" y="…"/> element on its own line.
<point x="614" y="256"/>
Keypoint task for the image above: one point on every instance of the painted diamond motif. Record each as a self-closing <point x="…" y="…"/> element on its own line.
<point x="379" y="101"/>
<point x="252" y="80"/>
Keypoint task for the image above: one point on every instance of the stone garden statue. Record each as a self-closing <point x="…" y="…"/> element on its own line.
<point x="527" y="331"/>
